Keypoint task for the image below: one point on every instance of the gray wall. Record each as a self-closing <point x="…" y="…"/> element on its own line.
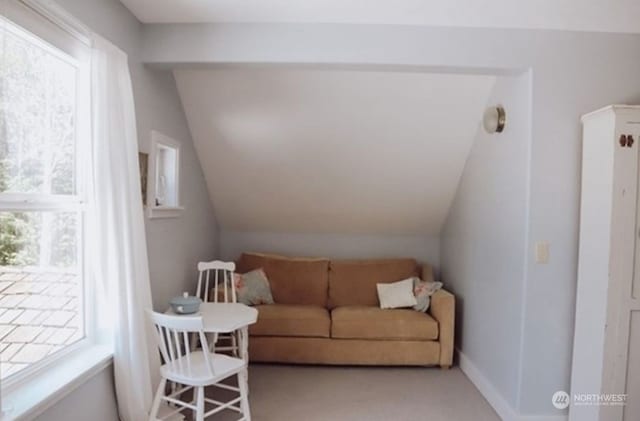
<point x="484" y="242"/>
<point x="92" y="400"/>
<point x="174" y="245"/>
<point x="423" y="249"/>
<point x="572" y="73"/>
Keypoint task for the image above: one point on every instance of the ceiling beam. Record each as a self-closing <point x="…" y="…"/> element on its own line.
<point x="343" y="46"/>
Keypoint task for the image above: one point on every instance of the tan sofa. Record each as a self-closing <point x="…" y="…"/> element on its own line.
<point x="327" y="312"/>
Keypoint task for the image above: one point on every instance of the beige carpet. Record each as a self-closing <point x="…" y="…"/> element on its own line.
<point x="318" y="393"/>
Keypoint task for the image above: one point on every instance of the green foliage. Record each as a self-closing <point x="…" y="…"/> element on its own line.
<point x="10" y="239"/>
<point x="37" y="151"/>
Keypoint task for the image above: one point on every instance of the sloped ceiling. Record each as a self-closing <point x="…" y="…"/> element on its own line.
<point x="332" y="151"/>
<point x="577" y="15"/>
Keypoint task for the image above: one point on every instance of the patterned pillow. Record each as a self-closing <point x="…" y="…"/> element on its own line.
<point x="252" y="288"/>
<point x="423" y="290"/>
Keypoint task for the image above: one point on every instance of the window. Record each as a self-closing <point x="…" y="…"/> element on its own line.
<point x="165" y="171"/>
<point x="43" y="136"/>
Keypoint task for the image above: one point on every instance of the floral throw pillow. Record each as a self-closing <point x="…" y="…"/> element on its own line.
<point x="252" y="288"/>
<point x="423" y="290"/>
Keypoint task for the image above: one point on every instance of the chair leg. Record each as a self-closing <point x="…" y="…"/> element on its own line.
<point x="193" y="341"/>
<point x="244" y="395"/>
<point x="212" y="342"/>
<point x="235" y="351"/>
<point x="200" y="404"/>
<point x="153" y="415"/>
<point x="174" y="387"/>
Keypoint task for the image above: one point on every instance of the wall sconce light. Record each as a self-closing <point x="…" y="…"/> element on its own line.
<point x="494" y="119"/>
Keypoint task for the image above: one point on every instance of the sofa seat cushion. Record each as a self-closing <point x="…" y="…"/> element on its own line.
<point x="291" y="320"/>
<point x="358" y="322"/>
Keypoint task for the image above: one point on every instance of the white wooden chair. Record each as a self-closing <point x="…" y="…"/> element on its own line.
<point x="219" y="288"/>
<point x="194" y="370"/>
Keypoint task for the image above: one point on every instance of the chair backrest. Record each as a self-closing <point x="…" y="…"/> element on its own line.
<point x="172" y="335"/>
<point x="224" y="289"/>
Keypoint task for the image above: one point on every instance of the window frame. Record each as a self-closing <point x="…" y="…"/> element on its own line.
<point x="159" y="142"/>
<point x="41" y="24"/>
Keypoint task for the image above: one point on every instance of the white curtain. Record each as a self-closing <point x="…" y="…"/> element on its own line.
<point x="118" y="236"/>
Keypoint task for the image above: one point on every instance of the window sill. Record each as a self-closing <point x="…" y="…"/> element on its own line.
<point x="165" y="211"/>
<point x="31" y="398"/>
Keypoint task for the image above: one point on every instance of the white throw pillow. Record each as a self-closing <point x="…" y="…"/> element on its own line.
<point x="397" y="294"/>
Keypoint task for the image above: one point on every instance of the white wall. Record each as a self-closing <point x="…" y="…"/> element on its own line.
<point x="423" y="249"/>
<point x="572" y="73"/>
<point x="300" y="150"/>
<point x="484" y="243"/>
<point x="174" y="245"/>
<point x="94" y="400"/>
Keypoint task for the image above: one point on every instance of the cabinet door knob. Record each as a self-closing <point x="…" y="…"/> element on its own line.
<point x="623" y="140"/>
<point x="629" y="141"/>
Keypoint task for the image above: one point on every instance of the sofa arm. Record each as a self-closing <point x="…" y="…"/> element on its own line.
<point x="443" y="309"/>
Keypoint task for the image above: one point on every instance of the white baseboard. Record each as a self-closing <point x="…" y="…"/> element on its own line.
<point x="542" y="418"/>
<point x="495" y="399"/>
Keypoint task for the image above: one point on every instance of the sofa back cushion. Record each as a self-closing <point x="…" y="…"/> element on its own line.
<point x="293" y="280"/>
<point x="353" y="282"/>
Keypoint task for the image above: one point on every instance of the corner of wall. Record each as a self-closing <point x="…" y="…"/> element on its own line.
<point x="484" y="248"/>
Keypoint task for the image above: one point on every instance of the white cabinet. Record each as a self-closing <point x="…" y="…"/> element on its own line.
<point x="606" y="354"/>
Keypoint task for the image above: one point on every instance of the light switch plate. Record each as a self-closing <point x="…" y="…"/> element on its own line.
<point x="542" y="252"/>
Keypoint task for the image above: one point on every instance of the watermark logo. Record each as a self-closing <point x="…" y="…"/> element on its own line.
<point x="562" y="400"/>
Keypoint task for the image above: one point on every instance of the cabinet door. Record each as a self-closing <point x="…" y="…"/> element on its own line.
<point x="632" y="408"/>
<point x="624" y="241"/>
<point x="630" y="329"/>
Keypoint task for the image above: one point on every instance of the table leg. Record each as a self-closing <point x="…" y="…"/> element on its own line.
<point x="244" y="344"/>
<point x="244" y="353"/>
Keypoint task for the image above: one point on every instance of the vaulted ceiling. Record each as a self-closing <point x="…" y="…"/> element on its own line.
<point x="310" y="150"/>
<point x="580" y="15"/>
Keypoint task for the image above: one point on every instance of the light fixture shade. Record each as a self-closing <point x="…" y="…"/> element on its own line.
<point x="494" y="119"/>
